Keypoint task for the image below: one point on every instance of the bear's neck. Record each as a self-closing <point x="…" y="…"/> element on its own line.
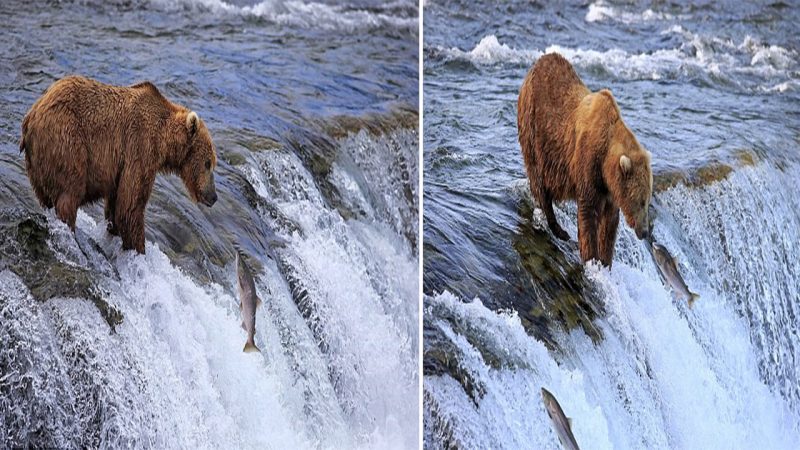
<point x="174" y="159"/>
<point x="173" y="151"/>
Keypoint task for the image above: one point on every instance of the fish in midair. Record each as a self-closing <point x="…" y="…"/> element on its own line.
<point x="668" y="267"/>
<point x="561" y="423"/>
<point x="249" y="303"/>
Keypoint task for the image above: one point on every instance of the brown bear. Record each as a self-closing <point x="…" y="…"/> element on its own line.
<point x="85" y="141"/>
<point x="576" y="146"/>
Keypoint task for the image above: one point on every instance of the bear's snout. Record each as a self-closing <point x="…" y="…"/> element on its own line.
<point x="642" y="228"/>
<point x="209" y="197"/>
<point x="208" y="194"/>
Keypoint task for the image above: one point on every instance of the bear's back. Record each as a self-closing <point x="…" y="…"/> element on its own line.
<point x="102" y="104"/>
<point x="556" y="87"/>
<point x="108" y="122"/>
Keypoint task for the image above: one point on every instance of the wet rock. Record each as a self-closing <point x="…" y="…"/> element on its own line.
<point x="561" y="294"/>
<point x="702" y="176"/>
<point x="234" y="158"/>
<point x="438" y="428"/>
<point x="244" y="140"/>
<point x="402" y="116"/>
<point x="24" y="243"/>
<point x="440" y="357"/>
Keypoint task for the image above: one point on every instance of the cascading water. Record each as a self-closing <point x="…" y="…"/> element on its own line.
<point x="338" y="327"/>
<point x="711" y="91"/>
<point x="317" y="182"/>
<point x="721" y="375"/>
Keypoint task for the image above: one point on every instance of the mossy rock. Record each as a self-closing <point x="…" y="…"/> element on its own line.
<point x="440" y="357"/>
<point x="251" y="140"/>
<point x="703" y="176"/>
<point x="401" y="116"/>
<point x="24" y="244"/>
<point x="234" y="158"/>
<point x="561" y="294"/>
<point x="746" y="158"/>
<point x="695" y="178"/>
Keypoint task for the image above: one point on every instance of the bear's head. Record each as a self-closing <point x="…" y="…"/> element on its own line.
<point x="197" y="170"/>
<point x="630" y="180"/>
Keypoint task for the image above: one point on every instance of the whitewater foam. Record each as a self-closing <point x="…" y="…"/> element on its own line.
<point x="651" y="383"/>
<point x="511" y="413"/>
<point x="173" y="371"/>
<point x="697" y="55"/>
<point x="786" y="86"/>
<point x="358" y="278"/>
<point x="305" y="14"/>
<point x="601" y="11"/>
<point x="490" y="51"/>
<point x="720" y="375"/>
<point x="338" y="334"/>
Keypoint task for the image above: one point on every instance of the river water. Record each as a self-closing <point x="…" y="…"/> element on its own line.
<point x="712" y="89"/>
<point x="313" y="108"/>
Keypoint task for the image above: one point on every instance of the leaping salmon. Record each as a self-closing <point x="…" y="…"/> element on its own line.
<point x="668" y="267"/>
<point x="561" y="423"/>
<point x="249" y="303"/>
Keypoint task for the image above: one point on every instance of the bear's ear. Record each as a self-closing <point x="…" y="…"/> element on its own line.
<point x="191" y="123"/>
<point x="625" y="164"/>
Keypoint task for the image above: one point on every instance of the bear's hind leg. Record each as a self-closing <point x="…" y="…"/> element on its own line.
<point x="538" y="189"/>
<point x="546" y="203"/>
<point x="58" y="164"/>
<point x="67" y="209"/>
<point x="44" y="201"/>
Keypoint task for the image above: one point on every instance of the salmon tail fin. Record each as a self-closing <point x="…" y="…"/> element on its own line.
<point x="250" y="347"/>
<point x="692" y="298"/>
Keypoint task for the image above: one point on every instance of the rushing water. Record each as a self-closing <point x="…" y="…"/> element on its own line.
<point x="712" y="90"/>
<point x="313" y="108"/>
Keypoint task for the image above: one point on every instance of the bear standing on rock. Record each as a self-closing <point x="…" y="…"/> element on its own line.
<point x="85" y="141"/>
<point x="576" y="146"/>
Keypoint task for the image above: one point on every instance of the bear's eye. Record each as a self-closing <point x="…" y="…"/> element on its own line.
<point x="208" y="164"/>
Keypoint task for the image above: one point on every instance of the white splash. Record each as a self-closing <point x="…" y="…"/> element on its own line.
<point x="360" y="278"/>
<point x="306" y="14"/>
<point x="490" y="51"/>
<point x="696" y="55"/>
<point x="174" y="373"/>
<point x="721" y="375"/>
<point x="601" y="11"/>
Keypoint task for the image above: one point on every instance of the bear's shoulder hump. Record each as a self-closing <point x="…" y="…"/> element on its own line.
<point x="146" y="85"/>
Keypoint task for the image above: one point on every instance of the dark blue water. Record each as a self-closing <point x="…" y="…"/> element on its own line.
<point x="713" y="91"/>
<point x="313" y="109"/>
